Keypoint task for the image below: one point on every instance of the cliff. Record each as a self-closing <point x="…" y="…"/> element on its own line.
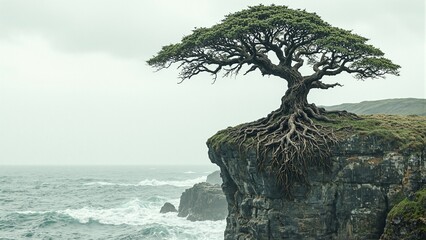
<point x="378" y="162"/>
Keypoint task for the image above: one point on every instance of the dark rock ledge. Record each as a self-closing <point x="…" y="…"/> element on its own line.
<point x="369" y="176"/>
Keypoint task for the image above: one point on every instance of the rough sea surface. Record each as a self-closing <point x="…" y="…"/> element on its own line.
<point x="99" y="203"/>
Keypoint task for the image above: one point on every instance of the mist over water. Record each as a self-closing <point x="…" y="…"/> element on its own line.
<point x="99" y="203"/>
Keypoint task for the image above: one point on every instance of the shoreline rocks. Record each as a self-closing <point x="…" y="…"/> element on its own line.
<point x="203" y="201"/>
<point x="168" y="207"/>
<point x="214" y="178"/>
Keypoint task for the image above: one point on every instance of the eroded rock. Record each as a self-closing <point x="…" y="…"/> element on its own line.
<point x="351" y="201"/>
<point x="203" y="201"/>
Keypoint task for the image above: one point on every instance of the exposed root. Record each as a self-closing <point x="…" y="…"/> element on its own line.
<point x="287" y="144"/>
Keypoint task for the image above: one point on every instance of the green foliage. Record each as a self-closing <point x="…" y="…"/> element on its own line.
<point x="240" y="25"/>
<point x="375" y="67"/>
<point x="246" y="36"/>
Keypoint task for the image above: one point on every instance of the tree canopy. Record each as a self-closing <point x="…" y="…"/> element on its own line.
<point x="295" y="37"/>
<point x="296" y="46"/>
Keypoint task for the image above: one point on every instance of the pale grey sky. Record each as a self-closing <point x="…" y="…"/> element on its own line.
<point x="75" y="88"/>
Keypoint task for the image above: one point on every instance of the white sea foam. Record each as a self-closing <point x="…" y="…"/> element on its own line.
<point x="189" y="172"/>
<point x="99" y="183"/>
<point x="32" y="212"/>
<point x="144" y="214"/>
<point x="177" y="183"/>
<point x="106" y="202"/>
<point x="154" y="182"/>
<point x="130" y="213"/>
<point x="136" y="213"/>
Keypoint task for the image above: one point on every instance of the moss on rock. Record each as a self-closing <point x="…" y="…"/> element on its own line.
<point x="407" y="219"/>
<point x="408" y="133"/>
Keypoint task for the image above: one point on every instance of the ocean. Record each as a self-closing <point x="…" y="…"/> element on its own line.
<point x="114" y="202"/>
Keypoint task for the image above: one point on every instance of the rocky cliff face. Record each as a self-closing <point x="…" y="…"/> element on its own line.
<point x="368" y="177"/>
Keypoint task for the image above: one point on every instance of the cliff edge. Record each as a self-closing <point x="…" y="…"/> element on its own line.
<point x="379" y="161"/>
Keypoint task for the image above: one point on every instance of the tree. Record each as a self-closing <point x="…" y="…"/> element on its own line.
<point x="282" y="42"/>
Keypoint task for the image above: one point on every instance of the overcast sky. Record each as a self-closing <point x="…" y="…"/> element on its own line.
<point x="75" y="88"/>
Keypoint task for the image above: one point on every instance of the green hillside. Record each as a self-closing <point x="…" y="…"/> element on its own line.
<point x="402" y="106"/>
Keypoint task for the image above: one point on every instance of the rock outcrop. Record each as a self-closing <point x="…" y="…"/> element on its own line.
<point x="203" y="201"/>
<point x="407" y="219"/>
<point x="369" y="175"/>
<point x="168" y="207"/>
<point x="214" y="178"/>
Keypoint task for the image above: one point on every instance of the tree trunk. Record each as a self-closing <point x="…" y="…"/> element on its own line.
<point x="295" y="98"/>
<point x="288" y="140"/>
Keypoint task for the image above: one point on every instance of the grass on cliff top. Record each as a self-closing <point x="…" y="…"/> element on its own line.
<point x="408" y="133"/>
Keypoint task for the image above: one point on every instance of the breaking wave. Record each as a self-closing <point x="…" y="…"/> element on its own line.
<point x="145" y="215"/>
<point x="153" y="182"/>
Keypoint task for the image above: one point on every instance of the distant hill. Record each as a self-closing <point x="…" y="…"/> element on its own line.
<point x="402" y="106"/>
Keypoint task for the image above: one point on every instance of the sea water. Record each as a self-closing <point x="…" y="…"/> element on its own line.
<point x="99" y="203"/>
